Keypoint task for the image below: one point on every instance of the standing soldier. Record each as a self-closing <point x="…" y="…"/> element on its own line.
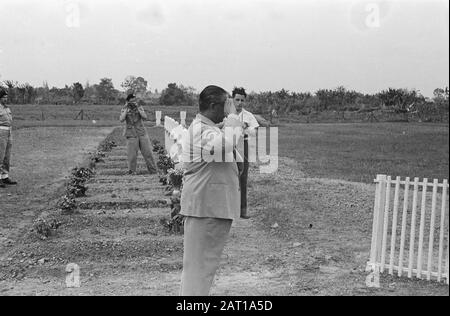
<point x="136" y="135"/>
<point x="5" y="140"/>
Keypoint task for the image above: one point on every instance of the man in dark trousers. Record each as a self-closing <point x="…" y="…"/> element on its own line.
<point x="136" y="135"/>
<point x="5" y="140"/>
<point x="250" y="129"/>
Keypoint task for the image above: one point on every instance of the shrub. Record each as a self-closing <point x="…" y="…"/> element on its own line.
<point x="82" y="173"/>
<point x="44" y="228"/>
<point x="107" y="146"/>
<point x="67" y="204"/>
<point x="76" y="190"/>
<point x="175" y="177"/>
<point x="98" y="157"/>
<point x="165" y="163"/>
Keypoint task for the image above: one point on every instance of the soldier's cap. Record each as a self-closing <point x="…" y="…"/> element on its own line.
<point x="3" y="93"/>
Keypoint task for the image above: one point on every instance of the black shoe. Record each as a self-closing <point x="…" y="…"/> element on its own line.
<point x="8" y="181"/>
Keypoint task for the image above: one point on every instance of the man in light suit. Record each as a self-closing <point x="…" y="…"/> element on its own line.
<point x="210" y="198"/>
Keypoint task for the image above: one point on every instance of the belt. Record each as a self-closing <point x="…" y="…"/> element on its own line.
<point x="5" y="128"/>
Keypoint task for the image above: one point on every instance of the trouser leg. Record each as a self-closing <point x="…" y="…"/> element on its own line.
<point x="132" y="151"/>
<point x="7" y="159"/>
<point x="145" y="147"/>
<point x="204" y="241"/>
<point x="4" y="141"/>
<point x="243" y="180"/>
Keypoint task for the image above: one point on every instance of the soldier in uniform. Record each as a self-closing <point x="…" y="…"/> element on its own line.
<point x="5" y="141"/>
<point x="136" y="135"/>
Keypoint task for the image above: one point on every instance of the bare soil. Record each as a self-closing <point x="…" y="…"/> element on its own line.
<point x="307" y="236"/>
<point x="41" y="159"/>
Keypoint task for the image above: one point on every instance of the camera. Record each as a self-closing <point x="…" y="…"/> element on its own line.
<point x="132" y="105"/>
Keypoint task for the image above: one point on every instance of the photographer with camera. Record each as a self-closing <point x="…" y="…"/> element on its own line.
<point x="136" y="135"/>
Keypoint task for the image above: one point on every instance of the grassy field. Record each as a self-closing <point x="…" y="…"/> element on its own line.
<point x="346" y="151"/>
<point x="358" y="152"/>
<point x="105" y="115"/>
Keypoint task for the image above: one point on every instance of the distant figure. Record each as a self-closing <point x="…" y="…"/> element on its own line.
<point x="250" y="125"/>
<point x="136" y="135"/>
<point x="273" y="115"/>
<point x="5" y="140"/>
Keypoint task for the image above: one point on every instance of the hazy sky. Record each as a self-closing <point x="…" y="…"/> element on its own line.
<point x="259" y="44"/>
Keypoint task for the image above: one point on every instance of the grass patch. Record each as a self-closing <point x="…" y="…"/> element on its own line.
<point x="358" y="152"/>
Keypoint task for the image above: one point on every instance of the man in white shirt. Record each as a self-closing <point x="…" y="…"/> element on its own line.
<point x="251" y="124"/>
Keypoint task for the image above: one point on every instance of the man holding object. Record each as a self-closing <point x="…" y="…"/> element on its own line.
<point x="136" y="135"/>
<point x="250" y="129"/>
<point x="210" y="199"/>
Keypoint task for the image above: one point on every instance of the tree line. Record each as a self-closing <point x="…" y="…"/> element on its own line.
<point x="284" y="102"/>
<point x="102" y="93"/>
<point x="341" y="100"/>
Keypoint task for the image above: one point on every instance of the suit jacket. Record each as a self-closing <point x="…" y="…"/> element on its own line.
<point x="210" y="188"/>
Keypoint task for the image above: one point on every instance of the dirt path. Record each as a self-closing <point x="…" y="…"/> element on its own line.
<point x="307" y="237"/>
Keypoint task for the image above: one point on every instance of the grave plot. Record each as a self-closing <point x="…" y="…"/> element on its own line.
<point x="117" y="231"/>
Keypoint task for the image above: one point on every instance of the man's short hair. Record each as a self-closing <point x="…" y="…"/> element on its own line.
<point x="240" y="91"/>
<point x="3" y="93"/>
<point x="211" y="95"/>
<point x="130" y="96"/>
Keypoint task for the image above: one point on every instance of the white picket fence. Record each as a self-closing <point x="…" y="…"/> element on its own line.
<point x="422" y="248"/>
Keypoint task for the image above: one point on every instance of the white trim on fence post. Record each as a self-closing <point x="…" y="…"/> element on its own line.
<point x="412" y="236"/>
<point x="432" y="226"/>
<point x="166" y="133"/>
<point x="373" y="251"/>
<point x="442" y="228"/>
<point x="158" y="118"/>
<point x="448" y="246"/>
<point x="381" y="218"/>
<point x="422" y="227"/>
<point x="394" y="225"/>
<point x="377" y="233"/>
<point x="403" y="233"/>
<point x="386" y="222"/>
